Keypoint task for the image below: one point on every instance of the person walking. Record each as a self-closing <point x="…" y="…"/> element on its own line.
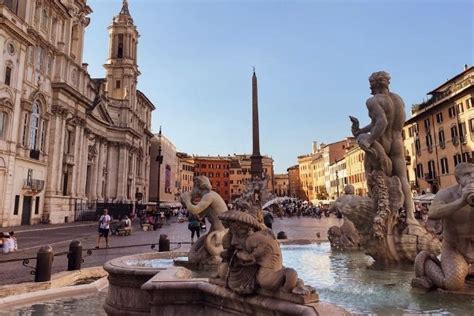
<point x="104" y="227"/>
<point x="194" y="226"/>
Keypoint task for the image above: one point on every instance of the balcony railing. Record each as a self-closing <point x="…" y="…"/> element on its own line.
<point x="33" y="185"/>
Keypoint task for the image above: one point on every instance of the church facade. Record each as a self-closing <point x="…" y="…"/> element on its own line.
<point x="69" y="143"/>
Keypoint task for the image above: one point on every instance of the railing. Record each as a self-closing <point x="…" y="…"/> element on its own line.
<point x="33" y="185"/>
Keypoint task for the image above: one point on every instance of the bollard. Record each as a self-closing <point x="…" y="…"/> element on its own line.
<point x="163" y="243"/>
<point x="74" y="256"/>
<point x="44" y="263"/>
<point x="281" y="235"/>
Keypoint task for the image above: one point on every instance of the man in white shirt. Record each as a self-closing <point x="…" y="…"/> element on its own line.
<point x="104" y="228"/>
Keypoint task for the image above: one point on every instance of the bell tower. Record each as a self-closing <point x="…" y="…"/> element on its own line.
<point x="121" y="66"/>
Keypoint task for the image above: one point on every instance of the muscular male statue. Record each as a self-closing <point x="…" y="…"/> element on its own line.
<point x="455" y="207"/>
<point x="207" y="249"/>
<point x="383" y="136"/>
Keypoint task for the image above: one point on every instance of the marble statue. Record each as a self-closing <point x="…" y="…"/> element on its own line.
<point x="391" y="232"/>
<point x="345" y="237"/>
<point x="252" y="258"/>
<point x="455" y="207"/>
<point x="208" y="248"/>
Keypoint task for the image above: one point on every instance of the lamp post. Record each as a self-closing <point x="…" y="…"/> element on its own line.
<point x="159" y="159"/>
<point x="337" y="183"/>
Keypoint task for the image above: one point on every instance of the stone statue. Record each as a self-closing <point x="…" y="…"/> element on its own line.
<point x="390" y="231"/>
<point x="208" y="248"/>
<point x="382" y="138"/>
<point x="345" y="237"/>
<point x="252" y="258"/>
<point x="455" y="207"/>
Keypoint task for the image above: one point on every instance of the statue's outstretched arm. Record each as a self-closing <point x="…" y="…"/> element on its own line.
<point x="201" y="206"/>
<point x="379" y="120"/>
<point x="441" y="207"/>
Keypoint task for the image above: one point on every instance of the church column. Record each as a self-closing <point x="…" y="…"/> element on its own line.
<point x="108" y="194"/>
<point x="95" y="172"/>
<point x="122" y="176"/>
<point x="75" y="170"/>
<point x="61" y="136"/>
<point x="54" y="150"/>
<point x="100" y="163"/>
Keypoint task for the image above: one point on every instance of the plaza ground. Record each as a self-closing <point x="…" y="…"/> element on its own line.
<point x="31" y="238"/>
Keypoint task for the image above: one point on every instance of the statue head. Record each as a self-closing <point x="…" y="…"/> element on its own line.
<point x="202" y="185"/>
<point x="379" y="82"/>
<point x="464" y="173"/>
<point x="349" y="189"/>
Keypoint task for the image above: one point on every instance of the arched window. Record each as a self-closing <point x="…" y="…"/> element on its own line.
<point x="34" y="127"/>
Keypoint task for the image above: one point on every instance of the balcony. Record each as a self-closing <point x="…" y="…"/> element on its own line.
<point x="33" y="186"/>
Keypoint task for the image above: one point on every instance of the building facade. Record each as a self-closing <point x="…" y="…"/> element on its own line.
<point x="217" y="170"/>
<point x="282" y="185"/>
<point x="294" y="182"/>
<point x="168" y="171"/>
<point x="185" y="172"/>
<point x="356" y="171"/>
<point x="63" y="135"/>
<point x="337" y="178"/>
<point x="440" y="133"/>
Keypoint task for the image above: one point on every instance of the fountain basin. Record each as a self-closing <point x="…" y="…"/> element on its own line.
<point x="126" y="277"/>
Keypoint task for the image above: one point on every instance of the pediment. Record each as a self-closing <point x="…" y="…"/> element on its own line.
<point x="100" y="112"/>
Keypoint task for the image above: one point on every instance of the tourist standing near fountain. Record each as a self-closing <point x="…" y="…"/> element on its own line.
<point x="455" y="207"/>
<point x="389" y="238"/>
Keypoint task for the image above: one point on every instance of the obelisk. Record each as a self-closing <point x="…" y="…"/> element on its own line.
<point x="256" y="169"/>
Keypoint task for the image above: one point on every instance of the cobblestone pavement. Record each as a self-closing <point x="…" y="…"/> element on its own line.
<point x="59" y="238"/>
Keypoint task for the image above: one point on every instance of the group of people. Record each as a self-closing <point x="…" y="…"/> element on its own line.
<point x="8" y="242"/>
<point x="295" y="207"/>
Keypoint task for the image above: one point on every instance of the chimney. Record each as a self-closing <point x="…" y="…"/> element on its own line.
<point x="314" y="147"/>
<point x="465" y="66"/>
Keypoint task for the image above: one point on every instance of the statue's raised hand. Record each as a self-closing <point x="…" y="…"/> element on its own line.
<point x="355" y="126"/>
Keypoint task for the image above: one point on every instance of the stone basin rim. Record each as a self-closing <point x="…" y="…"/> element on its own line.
<point x="119" y="265"/>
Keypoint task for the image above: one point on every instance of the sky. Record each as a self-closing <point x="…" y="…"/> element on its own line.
<point x="312" y="58"/>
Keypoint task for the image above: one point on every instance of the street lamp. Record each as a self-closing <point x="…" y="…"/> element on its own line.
<point x="159" y="159"/>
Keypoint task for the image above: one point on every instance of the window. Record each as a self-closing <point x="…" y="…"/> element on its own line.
<point x="24" y="140"/>
<point x="419" y="170"/>
<point x="457" y="159"/>
<point x="43" y="136"/>
<point x="417" y="146"/>
<point x="466" y="157"/>
<point x="37" y="205"/>
<point x="34" y="127"/>
<point x="452" y="112"/>
<point x="431" y="168"/>
<point x="427" y="125"/>
<point x="471" y="125"/>
<point x="120" y="46"/>
<point x="117" y="84"/>
<point x="17" y="202"/>
<point x="441" y="137"/>
<point x="3" y="123"/>
<point x="444" y="166"/>
<point x="429" y="142"/>
<point x="8" y="75"/>
<point x="460" y="108"/>
<point x="469" y="103"/>
<point x="439" y="117"/>
<point x="462" y="131"/>
<point x="454" y="134"/>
